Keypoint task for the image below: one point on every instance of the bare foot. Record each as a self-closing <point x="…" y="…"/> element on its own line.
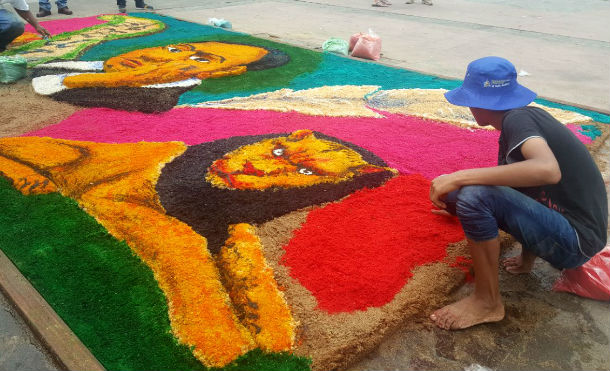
<point x="467" y="312"/>
<point x="519" y="264"/>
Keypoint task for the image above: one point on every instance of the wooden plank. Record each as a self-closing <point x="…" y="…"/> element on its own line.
<point x="66" y="348"/>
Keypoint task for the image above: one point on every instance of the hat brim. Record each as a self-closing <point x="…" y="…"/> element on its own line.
<point x="519" y="96"/>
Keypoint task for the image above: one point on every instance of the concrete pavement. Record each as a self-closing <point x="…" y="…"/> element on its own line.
<point x="564" y="48"/>
<point x="563" y="45"/>
<point x="19" y="349"/>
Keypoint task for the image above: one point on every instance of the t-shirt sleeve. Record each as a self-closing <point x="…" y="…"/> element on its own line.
<point x="20" y="5"/>
<point x="516" y="130"/>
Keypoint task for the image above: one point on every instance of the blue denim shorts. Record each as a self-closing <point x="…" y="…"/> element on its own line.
<point x="546" y="233"/>
<point x="10" y="28"/>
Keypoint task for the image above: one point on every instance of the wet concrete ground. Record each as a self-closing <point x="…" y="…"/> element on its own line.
<point x="19" y="349"/>
<point x="565" y="47"/>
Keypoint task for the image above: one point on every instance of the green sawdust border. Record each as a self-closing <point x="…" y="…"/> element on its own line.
<point x="119" y="286"/>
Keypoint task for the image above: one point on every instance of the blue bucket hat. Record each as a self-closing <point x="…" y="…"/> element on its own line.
<point x="491" y="83"/>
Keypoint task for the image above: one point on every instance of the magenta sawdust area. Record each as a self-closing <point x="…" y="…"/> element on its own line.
<point x="223" y="201"/>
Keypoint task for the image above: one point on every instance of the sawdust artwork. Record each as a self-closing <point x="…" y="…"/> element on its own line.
<point x="68" y="45"/>
<point x="196" y="198"/>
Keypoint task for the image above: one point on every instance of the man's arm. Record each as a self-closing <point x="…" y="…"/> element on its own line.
<point x="29" y="18"/>
<point x="540" y="167"/>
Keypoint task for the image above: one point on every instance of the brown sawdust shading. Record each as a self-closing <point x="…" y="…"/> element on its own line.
<point x="334" y="341"/>
<point x="490" y="344"/>
<point x="23" y="110"/>
<point x="147" y="100"/>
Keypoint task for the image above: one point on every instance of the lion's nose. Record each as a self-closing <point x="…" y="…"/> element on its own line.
<point x="249" y="169"/>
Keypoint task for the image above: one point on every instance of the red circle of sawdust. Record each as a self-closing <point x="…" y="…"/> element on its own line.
<point x="358" y="253"/>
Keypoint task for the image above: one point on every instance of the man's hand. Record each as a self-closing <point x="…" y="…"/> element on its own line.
<point x="441" y="212"/>
<point x="43" y="31"/>
<point x="540" y="167"/>
<point x="441" y="186"/>
<point x="29" y="18"/>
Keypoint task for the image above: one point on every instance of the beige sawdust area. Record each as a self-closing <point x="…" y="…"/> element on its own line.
<point x="359" y="101"/>
<point x="23" y="110"/>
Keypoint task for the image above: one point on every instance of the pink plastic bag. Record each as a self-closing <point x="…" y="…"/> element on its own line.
<point x="354" y="39"/>
<point x="365" y="45"/>
<point x="591" y="280"/>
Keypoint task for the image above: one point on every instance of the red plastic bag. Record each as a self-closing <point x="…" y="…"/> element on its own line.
<point x="365" y="45"/>
<point x="591" y="280"/>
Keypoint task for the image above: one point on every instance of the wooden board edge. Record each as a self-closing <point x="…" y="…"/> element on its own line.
<point x="65" y="347"/>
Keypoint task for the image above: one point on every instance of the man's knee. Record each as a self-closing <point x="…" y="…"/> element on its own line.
<point x="472" y="197"/>
<point x="14" y="30"/>
<point x="475" y="209"/>
<point x="18" y="28"/>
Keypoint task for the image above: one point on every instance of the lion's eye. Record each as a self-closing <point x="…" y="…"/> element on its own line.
<point x="278" y="152"/>
<point x="199" y="59"/>
<point x="173" y="50"/>
<point x="305" y="171"/>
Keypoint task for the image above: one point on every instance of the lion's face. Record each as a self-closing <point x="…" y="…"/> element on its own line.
<point x="298" y="160"/>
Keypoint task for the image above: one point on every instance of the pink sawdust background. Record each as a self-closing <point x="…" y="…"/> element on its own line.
<point x="64" y="25"/>
<point x="410" y="144"/>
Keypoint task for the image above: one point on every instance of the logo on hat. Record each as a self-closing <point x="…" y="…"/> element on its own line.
<point x="500" y="83"/>
<point x="496" y="83"/>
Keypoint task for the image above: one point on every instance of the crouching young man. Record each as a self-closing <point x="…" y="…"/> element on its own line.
<point x="546" y="192"/>
<point x="11" y="27"/>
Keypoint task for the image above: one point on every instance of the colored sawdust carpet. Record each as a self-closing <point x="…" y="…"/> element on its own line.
<point x="207" y="199"/>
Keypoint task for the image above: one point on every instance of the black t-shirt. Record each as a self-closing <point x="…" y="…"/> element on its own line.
<point x="580" y="195"/>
